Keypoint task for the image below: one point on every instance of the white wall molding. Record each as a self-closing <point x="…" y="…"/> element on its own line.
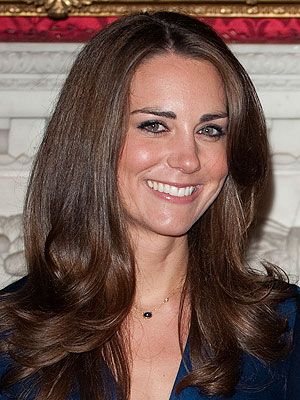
<point x="277" y="244"/>
<point x="44" y="66"/>
<point x="12" y="260"/>
<point x="272" y="60"/>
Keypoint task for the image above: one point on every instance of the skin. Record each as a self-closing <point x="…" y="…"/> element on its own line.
<point x="179" y="154"/>
<point x="185" y="145"/>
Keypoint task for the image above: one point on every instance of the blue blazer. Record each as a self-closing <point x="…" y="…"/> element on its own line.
<point x="258" y="381"/>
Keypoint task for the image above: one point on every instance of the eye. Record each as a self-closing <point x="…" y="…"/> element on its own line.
<point x="152" y="126"/>
<point x="212" y="131"/>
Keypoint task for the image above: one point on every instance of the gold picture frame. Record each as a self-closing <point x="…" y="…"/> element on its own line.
<point x="105" y="8"/>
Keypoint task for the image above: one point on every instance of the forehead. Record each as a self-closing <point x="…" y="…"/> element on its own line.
<point x="173" y="78"/>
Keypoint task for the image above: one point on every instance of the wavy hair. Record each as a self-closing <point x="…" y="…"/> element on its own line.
<point x="64" y="326"/>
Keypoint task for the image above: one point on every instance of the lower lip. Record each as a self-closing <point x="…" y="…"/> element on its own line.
<point x="175" y="199"/>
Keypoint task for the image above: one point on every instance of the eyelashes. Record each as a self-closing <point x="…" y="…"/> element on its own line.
<point x="156" y="127"/>
<point x="153" y="126"/>
<point x="213" y="131"/>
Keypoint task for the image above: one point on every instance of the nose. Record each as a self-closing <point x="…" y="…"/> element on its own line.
<point x="184" y="153"/>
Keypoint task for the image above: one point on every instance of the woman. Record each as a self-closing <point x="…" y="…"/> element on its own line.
<point x="136" y="221"/>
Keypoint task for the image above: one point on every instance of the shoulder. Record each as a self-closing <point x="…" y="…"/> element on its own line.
<point x="290" y="306"/>
<point x="293" y="314"/>
<point x="5" y="360"/>
<point x="14" y="287"/>
<point x="276" y="380"/>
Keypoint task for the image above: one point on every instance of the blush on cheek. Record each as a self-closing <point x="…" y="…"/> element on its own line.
<point x="136" y="155"/>
<point x="217" y="168"/>
<point x="141" y="157"/>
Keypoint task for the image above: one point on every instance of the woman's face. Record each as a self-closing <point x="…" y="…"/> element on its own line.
<point x="173" y="163"/>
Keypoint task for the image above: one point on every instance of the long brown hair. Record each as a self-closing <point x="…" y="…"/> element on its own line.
<point x="64" y="324"/>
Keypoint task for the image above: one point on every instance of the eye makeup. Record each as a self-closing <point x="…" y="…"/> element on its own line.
<point x="153" y="126"/>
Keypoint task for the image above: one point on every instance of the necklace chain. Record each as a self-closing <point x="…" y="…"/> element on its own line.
<point x="149" y="314"/>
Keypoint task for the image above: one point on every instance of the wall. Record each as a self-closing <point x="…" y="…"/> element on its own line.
<point x="30" y="77"/>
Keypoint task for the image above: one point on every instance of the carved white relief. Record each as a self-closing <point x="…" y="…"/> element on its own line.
<point x="276" y="82"/>
<point x="286" y="161"/>
<point x="265" y="59"/>
<point x="33" y="83"/>
<point x="57" y="58"/>
<point x="35" y="67"/>
<point x="278" y="244"/>
<point x="284" y="137"/>
<point x="12" y="261"/>
<point x="274" y="242"/>
<point x="3" y="141"/>
<point x="23" y="138"/>
<point x="35" y="61"/>
<point x="20" y="162"/>
<point x="44" y="66"/>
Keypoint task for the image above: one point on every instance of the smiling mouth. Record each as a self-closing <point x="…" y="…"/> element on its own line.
<point x="172" y="190"/>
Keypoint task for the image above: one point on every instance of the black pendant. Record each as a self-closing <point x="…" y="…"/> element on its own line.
<point x="147" y="314"/>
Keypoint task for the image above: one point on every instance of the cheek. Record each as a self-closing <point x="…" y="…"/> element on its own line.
<point x="135" y="158"/>
<point x="222" y="166"/>
<point x="216" y="165"/>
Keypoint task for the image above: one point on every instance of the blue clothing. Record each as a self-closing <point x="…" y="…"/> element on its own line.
<point x="259" y="381"/>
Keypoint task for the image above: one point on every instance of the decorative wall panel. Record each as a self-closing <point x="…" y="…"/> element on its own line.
<point x="211" y="8"/>
<point x="80" y="29"/>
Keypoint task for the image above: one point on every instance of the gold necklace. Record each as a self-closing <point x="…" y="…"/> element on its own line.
<point x="149" y="314"/>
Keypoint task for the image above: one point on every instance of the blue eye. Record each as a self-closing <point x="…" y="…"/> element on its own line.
<point x="152" y="126"/>
<point x="212" y="131"/>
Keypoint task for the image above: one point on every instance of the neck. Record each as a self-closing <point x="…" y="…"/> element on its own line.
<point x="161" y="266"/>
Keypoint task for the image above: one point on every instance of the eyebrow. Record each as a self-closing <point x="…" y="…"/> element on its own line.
<point x="172" y="115"/>
<point x="166" y="114"/>
<point x="211" y="117"/>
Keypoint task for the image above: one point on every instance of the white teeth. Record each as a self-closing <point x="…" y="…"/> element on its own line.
<point x="181" y="192"/>
<point x="172" y="190"/>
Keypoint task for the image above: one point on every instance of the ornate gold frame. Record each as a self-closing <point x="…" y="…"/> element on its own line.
<point x="212" y="8"/>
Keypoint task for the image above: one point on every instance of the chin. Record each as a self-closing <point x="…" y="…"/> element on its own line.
<point x="172" y="231"/>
